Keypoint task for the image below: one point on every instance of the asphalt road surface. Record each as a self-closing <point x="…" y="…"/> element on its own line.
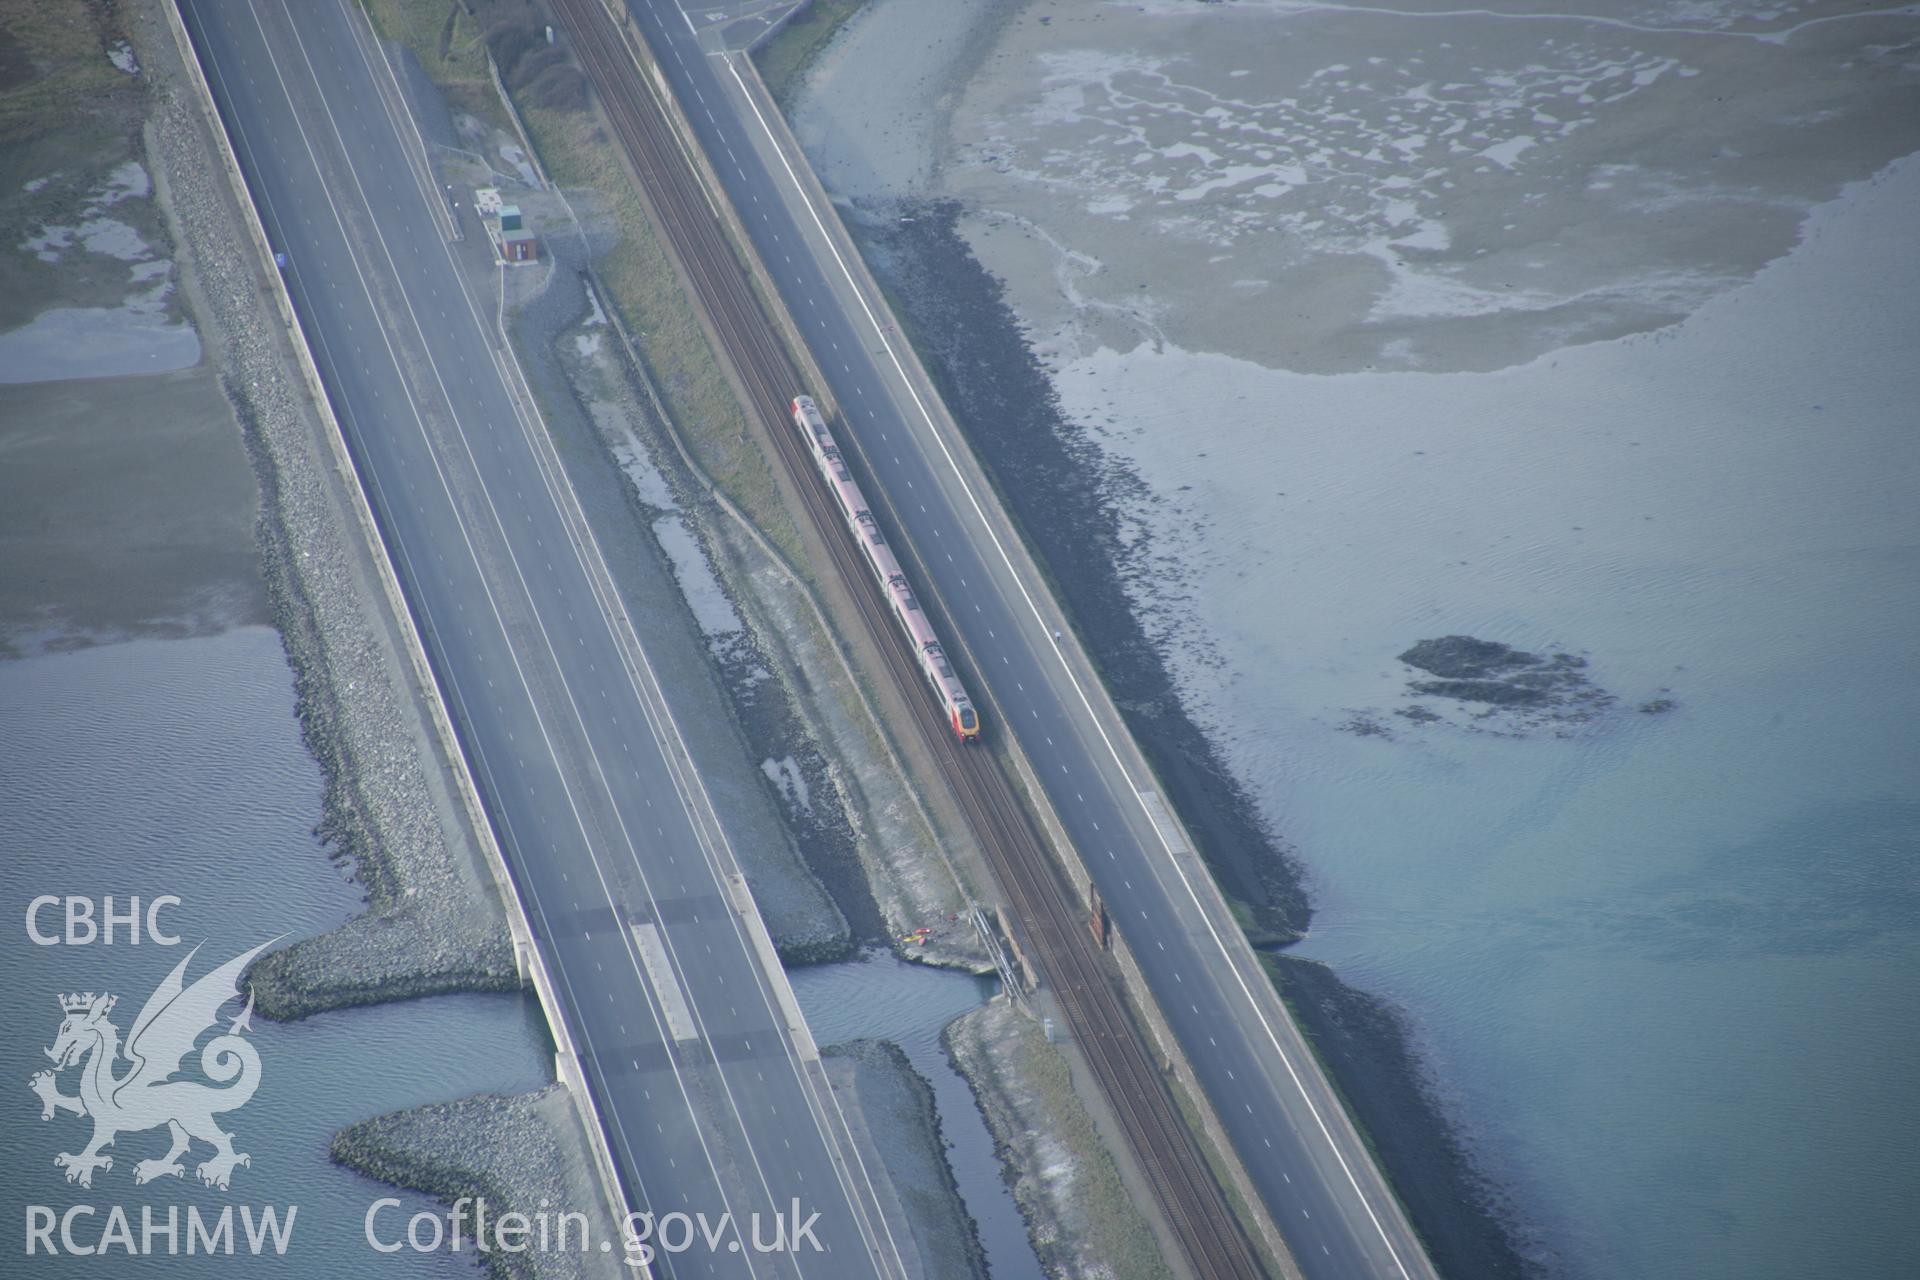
<point x="709" y="1098"/>
<point x="1307" y="1163"/>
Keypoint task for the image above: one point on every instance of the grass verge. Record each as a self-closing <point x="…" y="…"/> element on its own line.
<point x="450" y="44"/>
<point x="643" y="286"/>
<point x="783" y="60"/>
<point x="1079" y="1216"/>
<point x="639" y="278"/>
<point x="53" y="58"/>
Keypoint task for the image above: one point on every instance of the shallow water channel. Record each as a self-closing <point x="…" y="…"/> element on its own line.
<point x="174" y="767"/>
<point x="880" y="996"/>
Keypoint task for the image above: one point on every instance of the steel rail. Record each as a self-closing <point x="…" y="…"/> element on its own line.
<point x="1045" y="907"/>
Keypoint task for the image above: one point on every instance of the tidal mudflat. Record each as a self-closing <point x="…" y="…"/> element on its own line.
<point x="1653" y="962"/>
<point x="151" y="724"/>
<point x="1582" y="333"/>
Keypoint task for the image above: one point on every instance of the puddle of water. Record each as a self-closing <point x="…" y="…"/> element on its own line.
<point x="97" y="342"/>
<point x="137" y="336"/>
<point x="698" y="583"/>
<point x="786" y="774"/>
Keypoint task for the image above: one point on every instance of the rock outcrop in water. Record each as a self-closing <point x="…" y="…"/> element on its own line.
<point x="1471" y="670"/>
<point x="1496" y="687"/>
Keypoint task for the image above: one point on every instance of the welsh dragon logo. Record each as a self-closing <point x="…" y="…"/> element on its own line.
<point x="146" y="1095"/>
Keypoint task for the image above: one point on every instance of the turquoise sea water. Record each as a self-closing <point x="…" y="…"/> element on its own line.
<point x="1661" y="968"/>
<point x="175" y="767"/>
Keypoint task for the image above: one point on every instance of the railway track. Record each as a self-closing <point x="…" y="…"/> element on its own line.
<point x="1045" y="907"/>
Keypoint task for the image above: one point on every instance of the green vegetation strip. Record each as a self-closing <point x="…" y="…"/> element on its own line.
<point x="644" y="288"/>
<point x="53" y="58"/>
<point x="639" y="277"/>
<point x="784" y="59"/>
<point x="451" y="46"/>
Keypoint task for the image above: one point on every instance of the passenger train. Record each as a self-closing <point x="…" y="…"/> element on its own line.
<point x="934" y="665"/>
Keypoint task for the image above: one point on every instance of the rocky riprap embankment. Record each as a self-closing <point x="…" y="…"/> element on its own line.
<point x="501" y="1149"/>
<point x="1364" y="1041"/>
<point x="1071" y="503"/>
<point x="433" y="922"/>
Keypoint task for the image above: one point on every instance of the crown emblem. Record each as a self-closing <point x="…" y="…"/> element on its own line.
<point x="126" y="1088"/>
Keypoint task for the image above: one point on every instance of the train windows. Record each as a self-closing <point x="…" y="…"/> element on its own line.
<point x="968" y="721"/>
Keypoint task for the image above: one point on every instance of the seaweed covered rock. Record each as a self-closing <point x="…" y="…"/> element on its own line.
<point x="1496" y="687"/>
<point x="1465" y="658"/>
<point x="1472" y="670"/>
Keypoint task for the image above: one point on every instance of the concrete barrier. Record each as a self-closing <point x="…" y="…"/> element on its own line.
<point x="526" y="953"/>
<point x="519" y="125"/>
<point x="1114" y="729"/>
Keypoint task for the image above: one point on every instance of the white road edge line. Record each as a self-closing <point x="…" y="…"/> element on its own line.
<point x="656" y="709"/>
<point x="973" y="499"/>
<point x="421" y="425"/>
<point x="269" y="212"/>
<point x="588" y="554"/>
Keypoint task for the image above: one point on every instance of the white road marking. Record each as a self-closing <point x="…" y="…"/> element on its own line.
<point x="1087" y="704"/>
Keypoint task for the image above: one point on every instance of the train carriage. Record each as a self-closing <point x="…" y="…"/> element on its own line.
<point x="962" y="716"/>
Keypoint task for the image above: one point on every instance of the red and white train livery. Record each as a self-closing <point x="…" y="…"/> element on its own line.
<point x="961" y="714"/>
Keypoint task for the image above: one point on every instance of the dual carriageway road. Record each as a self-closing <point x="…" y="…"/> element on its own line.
<point x="494" y="556"/>
<point x="1050" y="918"/>
<point x="708" y="1087"/>
<point x="1302" y="1153"/>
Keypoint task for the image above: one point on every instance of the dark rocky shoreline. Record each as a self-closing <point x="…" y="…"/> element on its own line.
<point x="1365" y="1047"/>
<point x="1063" y="493"/>
<point x="1058" y="487"/>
